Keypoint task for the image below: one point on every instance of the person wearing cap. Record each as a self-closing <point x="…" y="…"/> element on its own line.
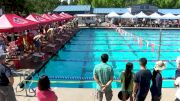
<point x="177" y="74"/>
<point x="6" y="81"/>
<point x="157" y="81"/>
<point x="103" y="75"/>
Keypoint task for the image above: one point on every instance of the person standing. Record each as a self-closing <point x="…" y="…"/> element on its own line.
<point x="177" y="85"/>
<point x="177" y="81"/>
<point x="177" y="73"/>
<point x="6" y="82"/>
<point x="142" y="81"/>
<point x="126" y="79"/>
<point x="157" y="81"/>
<point x="44" y="92"/>
<point x="103" y="75"/>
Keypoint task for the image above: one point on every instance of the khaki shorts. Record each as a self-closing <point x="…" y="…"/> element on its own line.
<point x="7" y="93"/>
<point x="108" y="95"/>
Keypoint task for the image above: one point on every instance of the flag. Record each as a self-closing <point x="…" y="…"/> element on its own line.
<point x="152" y="46"/>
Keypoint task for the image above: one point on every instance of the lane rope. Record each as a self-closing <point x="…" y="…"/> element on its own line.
<point x="80" y="82"/>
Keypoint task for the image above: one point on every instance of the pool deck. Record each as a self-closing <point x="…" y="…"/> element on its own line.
<point x="85" y="94"/>
<point x="70" y="94"/>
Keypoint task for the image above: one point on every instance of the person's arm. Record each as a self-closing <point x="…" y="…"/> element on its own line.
<point x="9" y="75"/>
<point x="135" y="88"/>
<point x="11" y="81"/>
<point x="136" y="85"/>
<point x="110" y="80"/>
<point x="176" y="83"/>
<point x="97" y="81"/>
<point x="96" y="78"/>
<point x="159" y="84"/>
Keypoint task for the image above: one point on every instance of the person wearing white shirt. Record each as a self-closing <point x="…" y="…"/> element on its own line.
<point x="177" y="84"/>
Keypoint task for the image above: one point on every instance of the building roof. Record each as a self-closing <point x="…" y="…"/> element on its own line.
<point x="109" y="10"/>
<point x="173" y="11"/>
<point x="70" y="8"/>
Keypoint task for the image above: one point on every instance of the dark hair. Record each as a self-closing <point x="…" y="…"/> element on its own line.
<point x="104" y="58"/>
<point x="44" y="83"/>
<point x="128" y="74"/>
<point x="143" y="61"/>
<point x="41" y="30"/>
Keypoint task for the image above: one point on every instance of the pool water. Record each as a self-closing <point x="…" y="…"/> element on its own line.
<point x="77" y="59"/>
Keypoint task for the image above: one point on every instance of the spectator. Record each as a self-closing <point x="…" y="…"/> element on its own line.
<point x="2" y="44"/>
<point x="6" y="82"/>
<point x="142" y="81"/>
<point x="19" y="43"/>
<point x="37" y="40"/>
<point x="177" y="81"/>
<point x="177" y="74"/>
<point x="126" y="79"/>
<point x="103" y="75"/>
<point x="44" y="92"/>
<point x="177" y="84"/>
<point x="157" y="81"/>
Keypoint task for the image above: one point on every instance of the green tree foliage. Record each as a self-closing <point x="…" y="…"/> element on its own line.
<point x="29" y="6"/>
<point x="126" y="3"/>
<point x="43" y="6"/>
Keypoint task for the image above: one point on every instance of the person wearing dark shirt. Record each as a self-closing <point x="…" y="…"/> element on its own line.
<point x="177" y="73"/>
<point x="142" y="81"/>
<point x="157" y="81"/>
<point x="6" y="82"/>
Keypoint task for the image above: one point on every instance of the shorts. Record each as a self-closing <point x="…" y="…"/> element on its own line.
<point x="7" y="93"/>
<point x="37" y="44"/>
<point x="108" y="95"/>
<point x="155" y="98"/>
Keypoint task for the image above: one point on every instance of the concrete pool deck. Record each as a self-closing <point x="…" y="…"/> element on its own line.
<point x="72" y="94"/>
<point x="84" y="94"/>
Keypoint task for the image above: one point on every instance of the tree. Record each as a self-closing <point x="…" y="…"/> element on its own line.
<point x="75" y="2"/>
<point x="64" y="3"/>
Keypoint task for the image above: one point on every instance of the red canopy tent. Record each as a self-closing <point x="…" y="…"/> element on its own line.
<point x="59" y="18"/>
<point x="37" y="18"/>
<point x="47" y="16"/>
<point x="15" y="23"/>
<point x="67" y="16"/>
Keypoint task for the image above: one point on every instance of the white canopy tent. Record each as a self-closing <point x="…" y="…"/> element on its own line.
<point x="113" y="15"/>
<point x="155" y="16"/>
<point x="141" y="15"/>
<point x="127" y="15"/>
<point x="86" y="15"/>
<point x="169" y="16"/>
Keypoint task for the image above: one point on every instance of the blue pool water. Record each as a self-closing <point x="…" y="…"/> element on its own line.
<point x="78" y="58"/>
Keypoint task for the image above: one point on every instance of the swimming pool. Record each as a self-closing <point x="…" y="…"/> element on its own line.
<point x="75" y="62"/>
